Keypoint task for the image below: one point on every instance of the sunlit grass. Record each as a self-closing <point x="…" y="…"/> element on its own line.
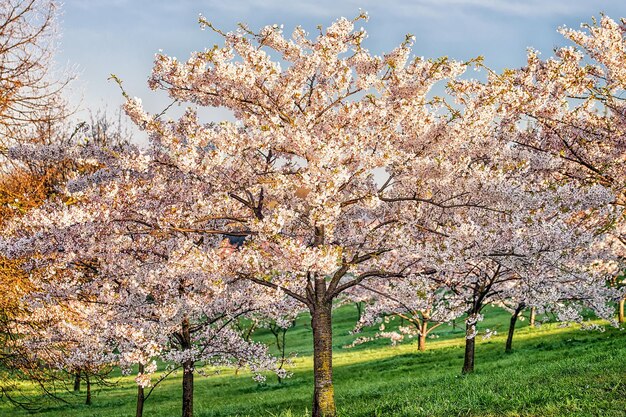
<point x="553" y="371"/>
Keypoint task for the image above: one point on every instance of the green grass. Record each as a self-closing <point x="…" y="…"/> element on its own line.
<point x="553" y="371"/>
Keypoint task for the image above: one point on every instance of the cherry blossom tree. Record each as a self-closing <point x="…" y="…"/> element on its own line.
<point x="62" y="340"/>
<point x="278" y="317"/>
<point x="512" y="225"/>
<point x="530" y="243"/>
<point x="152" y="296"/>
<point x="296" y="173"/>
<point x="25" y="187"/>
<point x="32" y="110"/>
<point x="425" y="304"/>
<point x="30" y="106"/>
<point x="573" y="106"/>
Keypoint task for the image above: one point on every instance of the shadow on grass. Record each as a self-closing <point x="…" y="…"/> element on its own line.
<point x="551" y="372"/>
<point x="571" y="373"/>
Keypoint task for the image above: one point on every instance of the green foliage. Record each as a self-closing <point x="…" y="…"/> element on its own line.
<point x="552" y="372"/>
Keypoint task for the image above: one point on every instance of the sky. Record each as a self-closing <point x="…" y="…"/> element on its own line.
<point x="100" y="37"/>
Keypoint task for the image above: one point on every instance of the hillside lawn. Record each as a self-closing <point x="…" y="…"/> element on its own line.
<point x="553" y="371"/>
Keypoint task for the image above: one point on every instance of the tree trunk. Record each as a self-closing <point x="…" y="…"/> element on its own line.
<point x="188" y="388"/>
<point x="621" y="311"/>
<point x="88" y="382"/>
<point x="141" y="398"/>
<point x="421" y="341"/>
<point x="468" y="363"/>
<point x="509" y="338"/>
<point x="188" y="370"/>
<point x="77" y="381"/>
<point x="359" y="309"/>
<point x="282" y="348"/>
<point x="533" y="313"/>
<point x="279" y="333"/>
<point x="324" y="393"/>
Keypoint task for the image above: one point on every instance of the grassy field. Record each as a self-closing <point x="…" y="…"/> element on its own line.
<point x="553" y="371"/>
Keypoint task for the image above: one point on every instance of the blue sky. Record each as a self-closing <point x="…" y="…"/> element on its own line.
<point x="100" y="37"/>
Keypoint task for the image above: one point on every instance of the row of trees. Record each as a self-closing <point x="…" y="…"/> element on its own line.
<point x="33" y="111"/>
<point x="343" y="178"/>
<point x="30" y="107"/>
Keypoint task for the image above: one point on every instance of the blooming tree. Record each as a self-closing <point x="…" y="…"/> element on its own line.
<point x="424" y="303"/>
<point x="535" y="239"/>
<point x="25" y="187"/>
<point x="573" y="106"/>
<point x="153" y="292"/>
<point x="296" y="174"/>
<point x="520" y="240"/>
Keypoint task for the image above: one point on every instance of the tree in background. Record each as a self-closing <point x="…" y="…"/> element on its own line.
<point x="422" y="302"/>
<point x="573" y="105"/>
<point x="151" y="295"/>
<point x="25" y="187"/>
<point x="31" y="103"/>
<point x="28" y="179"/>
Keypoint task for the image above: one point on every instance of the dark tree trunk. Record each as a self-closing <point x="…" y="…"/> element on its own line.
<point x="188" y="370"/>
<point x="620" y="314"/>
<point x="282" y="348"/>
<point x="421" y="341"/>
<point x="468" y="363"/>
<point x="533" y="313"/>
<point x="359" y="309"/>
<point x="77" y="381"/>
<point x="509" y="338"/>
<point x="88" y="382"/>
<point x="141" y="398"/>
<point x="279" y="336"/>
<point x="324" y="394"/>
<point x="481" y="292"/>
<point x="188" y="388"/>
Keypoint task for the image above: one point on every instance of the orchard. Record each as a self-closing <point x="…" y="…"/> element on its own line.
<point x="432" y="193"/>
